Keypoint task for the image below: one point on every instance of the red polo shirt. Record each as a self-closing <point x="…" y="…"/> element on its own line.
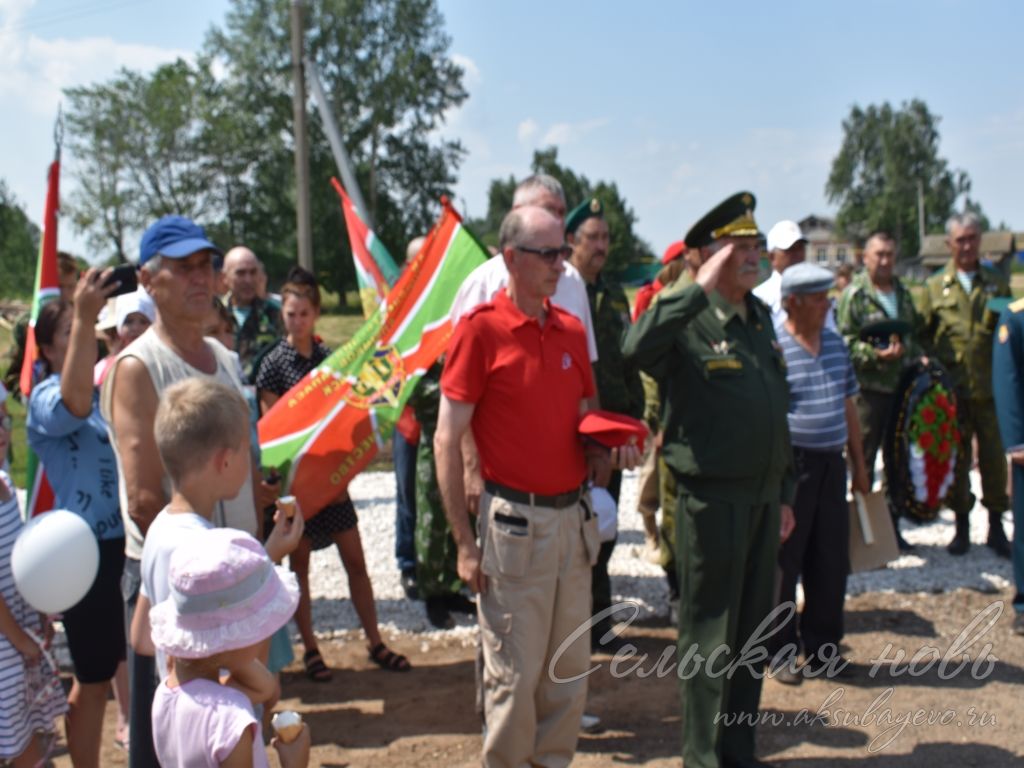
<point x="526" y="383"/>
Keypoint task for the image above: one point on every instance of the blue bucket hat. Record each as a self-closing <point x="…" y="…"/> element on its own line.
<point x="174" y="237"/>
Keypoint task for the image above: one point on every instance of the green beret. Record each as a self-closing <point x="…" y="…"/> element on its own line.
<point x="733" y="217"/>
<point x="587" y="209"/>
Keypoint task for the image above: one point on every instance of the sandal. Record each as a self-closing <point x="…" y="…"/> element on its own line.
<point x="385" y="658"/>
<point x="316" y="670"/>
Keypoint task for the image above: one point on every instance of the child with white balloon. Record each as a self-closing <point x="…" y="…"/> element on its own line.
<point x="226" y="599"/>
<point x="31" y="699"/>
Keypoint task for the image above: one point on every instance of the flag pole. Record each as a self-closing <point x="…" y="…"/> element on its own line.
<point x="341" y="157"/>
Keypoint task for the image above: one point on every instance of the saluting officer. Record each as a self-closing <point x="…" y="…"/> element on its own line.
<point x="726" y="441"/>
<point x="619" y="388"/>
<point x="958" y="328"/>
<point x="1008" y="388"/>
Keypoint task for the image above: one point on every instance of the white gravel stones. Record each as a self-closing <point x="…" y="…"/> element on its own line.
<point x="929" y="569"/>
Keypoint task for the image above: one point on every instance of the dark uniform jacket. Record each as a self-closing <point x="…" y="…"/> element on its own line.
<point x="618" y="381"/>
<point x="725" y="395"/>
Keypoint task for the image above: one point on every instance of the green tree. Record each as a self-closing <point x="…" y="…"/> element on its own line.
<point x="142" y="147"/>
<point x="19" y="246"/>
<point x="625" y="248"/>
<point x="885" y="154"/>
<point x="385" y="66"/>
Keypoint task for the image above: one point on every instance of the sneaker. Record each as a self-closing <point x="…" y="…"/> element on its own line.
<point x="590" y="723"/>
<point x="438" y="614"/>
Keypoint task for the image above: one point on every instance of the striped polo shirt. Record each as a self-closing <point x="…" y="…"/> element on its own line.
<point x="818" y="388"/>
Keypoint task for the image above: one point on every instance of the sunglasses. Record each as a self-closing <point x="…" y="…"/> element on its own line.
<point x="548" y="254"/>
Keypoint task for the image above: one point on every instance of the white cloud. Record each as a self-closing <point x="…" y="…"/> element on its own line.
<point x="566" y="133"/>
<point x="471" y="77"/>
<point x="527" y="130"/>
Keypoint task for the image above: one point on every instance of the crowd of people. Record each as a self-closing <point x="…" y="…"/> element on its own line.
<point x="766" y="403"/>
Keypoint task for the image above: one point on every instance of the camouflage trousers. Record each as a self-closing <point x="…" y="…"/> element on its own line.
<point x="978" y="419"/>
<point x="436" y="553"/>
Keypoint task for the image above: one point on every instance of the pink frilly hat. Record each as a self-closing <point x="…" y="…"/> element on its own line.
<point x="225" y="594"/>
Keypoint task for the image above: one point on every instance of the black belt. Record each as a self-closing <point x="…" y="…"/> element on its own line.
<point x="560" y="501"/>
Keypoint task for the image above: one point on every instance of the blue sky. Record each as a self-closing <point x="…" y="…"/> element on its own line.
<point x="681" y="104"/>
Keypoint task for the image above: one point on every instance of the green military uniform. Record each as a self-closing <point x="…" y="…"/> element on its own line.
<point x="958" y="331"/>
<point x="259" y="328"/>
<point x="436" y="553"/>
<point x="859" y="306"/>
<point x="726" y="442"/>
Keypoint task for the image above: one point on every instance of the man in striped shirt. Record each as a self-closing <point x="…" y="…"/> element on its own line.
<point x="822" y="420"/>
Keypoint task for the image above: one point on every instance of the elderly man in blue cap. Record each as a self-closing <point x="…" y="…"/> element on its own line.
<point x="176" y="270"/>
<point x="822" y="421"/>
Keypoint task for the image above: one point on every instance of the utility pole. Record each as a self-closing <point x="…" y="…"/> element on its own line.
<point x="304" y="231"/>
<point x="920" y="213"/>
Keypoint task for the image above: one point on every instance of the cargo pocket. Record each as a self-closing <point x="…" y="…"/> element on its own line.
<point x="496" y="626"/>
<point x="508" y="541"/>
<point x="591" y="533"/>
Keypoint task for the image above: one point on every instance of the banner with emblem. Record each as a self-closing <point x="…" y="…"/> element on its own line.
<point x="330" y="425"/>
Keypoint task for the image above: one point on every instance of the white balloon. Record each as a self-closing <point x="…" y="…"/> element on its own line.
<point x="55" y="560"/>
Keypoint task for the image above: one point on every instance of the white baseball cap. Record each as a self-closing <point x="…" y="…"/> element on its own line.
<point x="783" y="235"/>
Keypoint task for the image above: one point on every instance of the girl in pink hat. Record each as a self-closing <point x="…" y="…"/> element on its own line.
<point x="227" y="597"/>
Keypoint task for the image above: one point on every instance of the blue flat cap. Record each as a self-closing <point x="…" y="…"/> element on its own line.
<point x="174" y="237"/>
<point x="806" y="278"/>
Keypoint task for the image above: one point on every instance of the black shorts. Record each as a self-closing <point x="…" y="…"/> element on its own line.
<point x="95" y="625"/>
<point x="332" y="519"/>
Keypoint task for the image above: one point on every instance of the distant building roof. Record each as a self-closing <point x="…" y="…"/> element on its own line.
<point x="995" y="246"/>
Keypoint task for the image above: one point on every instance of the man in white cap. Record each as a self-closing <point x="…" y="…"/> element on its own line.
<point x="786" y="246"/>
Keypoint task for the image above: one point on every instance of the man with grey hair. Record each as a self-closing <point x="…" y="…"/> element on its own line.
<point x="490" y="277"/>
<point x="959" y="319"/>
<point x="538" y="537"/>
<point x="176" y="270"/>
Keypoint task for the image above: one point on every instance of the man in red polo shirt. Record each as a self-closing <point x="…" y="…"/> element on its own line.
<point x="518" y="373"/>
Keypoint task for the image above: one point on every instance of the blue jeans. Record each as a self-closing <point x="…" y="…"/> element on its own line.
<point x="404" y="454"/>
<point x="142" y="680"/>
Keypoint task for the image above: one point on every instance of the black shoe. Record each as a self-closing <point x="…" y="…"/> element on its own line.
<point x="903" y="544"/>
<point x="409" y="586"/>
<point x="960" y="544"/>
<point x="597" y="642"/>
<point x="832" y="668"/>
<point x="997" y="540"/>
<point x="787" y="675"/>
<point x="438" y="614"/>
<point x="459" y="603"/>
<point x="1018" y="624"/>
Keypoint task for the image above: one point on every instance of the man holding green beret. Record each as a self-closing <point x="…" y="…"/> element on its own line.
<point x="726" y="442"/>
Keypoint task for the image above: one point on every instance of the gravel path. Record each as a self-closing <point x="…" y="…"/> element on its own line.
<point x="930" y="569"/>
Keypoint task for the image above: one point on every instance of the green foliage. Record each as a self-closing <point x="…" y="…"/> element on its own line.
<point x="19" y="246"/>
<point x="214" y="140"/>
<point x="874" y="178"/>
<point x="625" y="247"/>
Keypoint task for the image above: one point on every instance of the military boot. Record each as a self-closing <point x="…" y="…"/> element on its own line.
<point x="961" y="540"/>
<point x="996" y="535"/>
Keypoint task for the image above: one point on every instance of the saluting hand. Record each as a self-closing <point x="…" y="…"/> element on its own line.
<point x="711" y="270"/>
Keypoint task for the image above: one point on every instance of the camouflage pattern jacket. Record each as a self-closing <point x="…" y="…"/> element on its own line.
<point x="859" y="306"/>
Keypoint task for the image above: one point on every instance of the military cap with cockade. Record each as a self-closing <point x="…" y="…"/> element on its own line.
<point x="733" y="217"/>
<point x="589" y="208"/>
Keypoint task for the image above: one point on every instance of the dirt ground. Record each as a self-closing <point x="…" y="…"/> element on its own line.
<point x="940" y="715"/>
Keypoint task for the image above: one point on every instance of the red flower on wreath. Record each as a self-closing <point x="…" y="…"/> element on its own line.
<point x="942" y="402"/>
<point x="928" y="414"/>
<point x="925" y="440"/>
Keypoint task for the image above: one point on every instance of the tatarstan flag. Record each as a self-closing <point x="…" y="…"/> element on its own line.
<point x="330" y="425"/>
<point x="375" y="269"/>
<point x="40" y="495"/>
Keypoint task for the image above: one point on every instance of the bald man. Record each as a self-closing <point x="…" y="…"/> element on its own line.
<point x="259" y="320"/>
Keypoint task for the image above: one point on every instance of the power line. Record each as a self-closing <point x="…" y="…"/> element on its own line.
<point x="37" y="21"/>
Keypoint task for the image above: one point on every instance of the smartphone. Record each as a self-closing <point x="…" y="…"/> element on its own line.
<point x="126" y="275"/>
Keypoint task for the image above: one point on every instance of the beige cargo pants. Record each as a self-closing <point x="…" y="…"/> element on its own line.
<point x="537" y="560"/>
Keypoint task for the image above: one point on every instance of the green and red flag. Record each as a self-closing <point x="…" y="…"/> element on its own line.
<point x="376" y="271"/>
<point x="330" y="425"/>
<point x="47" y="288"/>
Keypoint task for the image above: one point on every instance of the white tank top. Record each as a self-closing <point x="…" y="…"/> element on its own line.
<point x="165" y="367"/>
